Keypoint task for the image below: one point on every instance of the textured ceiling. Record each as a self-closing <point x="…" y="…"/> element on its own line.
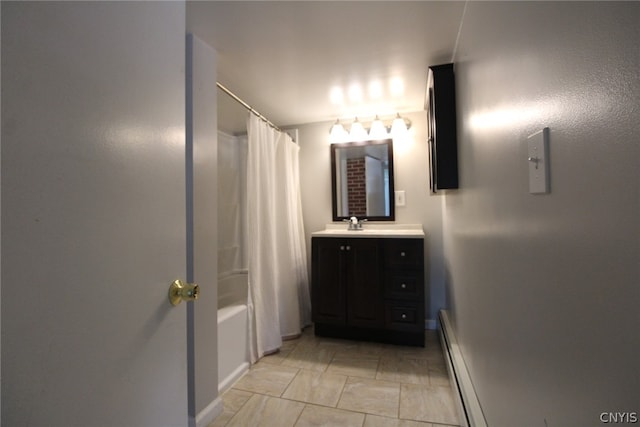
<point x="286" y="58"/>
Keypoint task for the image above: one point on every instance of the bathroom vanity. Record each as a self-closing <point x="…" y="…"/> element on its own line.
<point x="369" y="284"/>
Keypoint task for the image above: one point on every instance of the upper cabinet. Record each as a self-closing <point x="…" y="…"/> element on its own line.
<point x="441" y="107"/>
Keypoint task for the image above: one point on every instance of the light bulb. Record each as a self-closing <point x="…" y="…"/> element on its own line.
<point x="338" y="132"/>
<point x="357" y="132"/>
<point x="398" y="127"/>
<point x="378" y="130"/>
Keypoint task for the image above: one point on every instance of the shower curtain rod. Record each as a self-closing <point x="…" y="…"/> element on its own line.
<point x="247" y="106"/>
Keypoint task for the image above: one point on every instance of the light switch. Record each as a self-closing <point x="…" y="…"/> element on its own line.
<point x="538" y="159"/>
<point x="400" y="198"/>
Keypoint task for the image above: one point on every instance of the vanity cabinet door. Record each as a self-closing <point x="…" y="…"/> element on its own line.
<point x="328" y="287"/>
<point x="347" y="282"/>
<point x="364" y="283"/>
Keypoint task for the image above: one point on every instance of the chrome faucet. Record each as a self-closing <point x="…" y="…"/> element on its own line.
<point x="354" y="223"/>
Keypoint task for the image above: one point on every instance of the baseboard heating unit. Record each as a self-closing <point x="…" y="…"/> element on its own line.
<point x="468" y="405"/>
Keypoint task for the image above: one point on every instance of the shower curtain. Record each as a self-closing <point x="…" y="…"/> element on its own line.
<point x="278" y="300"/>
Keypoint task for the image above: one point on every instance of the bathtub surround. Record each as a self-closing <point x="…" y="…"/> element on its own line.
<point x="232" y="205"/>
<point x="278" y="302"/>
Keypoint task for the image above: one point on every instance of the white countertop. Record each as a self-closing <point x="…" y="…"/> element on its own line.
<point x="405" y="231"/>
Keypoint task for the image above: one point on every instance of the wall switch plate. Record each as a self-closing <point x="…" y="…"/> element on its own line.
<point x="400" y="198"/>
<point x="538" y="159"/>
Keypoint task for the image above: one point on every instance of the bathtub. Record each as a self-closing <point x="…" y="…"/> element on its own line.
<point x="233" y="352"/>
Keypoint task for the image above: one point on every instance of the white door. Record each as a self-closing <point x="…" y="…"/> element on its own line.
<point x="93" y="214"/>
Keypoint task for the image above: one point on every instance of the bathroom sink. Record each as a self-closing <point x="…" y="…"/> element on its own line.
<point x="372" y="230"/>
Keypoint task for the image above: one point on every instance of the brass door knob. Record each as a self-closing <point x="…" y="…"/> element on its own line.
<point x="181" y="291"/>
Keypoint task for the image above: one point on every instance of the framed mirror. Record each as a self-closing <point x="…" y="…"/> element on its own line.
<point x="362" y="180"/>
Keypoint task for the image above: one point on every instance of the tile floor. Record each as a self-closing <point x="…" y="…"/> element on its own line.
<point x="316" y="381"/>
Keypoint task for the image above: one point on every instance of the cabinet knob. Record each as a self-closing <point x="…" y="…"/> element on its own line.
<point x="348" y="248"/>
<point x="403" y="286"/>
<point x="342" y="248"/>
<point x="402" y="254"/>
<point x="404" y="316"/>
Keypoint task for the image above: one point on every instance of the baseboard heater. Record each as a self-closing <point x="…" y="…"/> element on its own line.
<point x="468" y="405"/>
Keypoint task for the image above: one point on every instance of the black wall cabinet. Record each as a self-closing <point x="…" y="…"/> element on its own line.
<point x="443" y="148"/>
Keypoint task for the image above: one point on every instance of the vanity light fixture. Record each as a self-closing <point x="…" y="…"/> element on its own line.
<point x="377" y="130"/>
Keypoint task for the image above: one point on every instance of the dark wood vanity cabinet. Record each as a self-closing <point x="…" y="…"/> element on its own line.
<point x="369" y="289"/>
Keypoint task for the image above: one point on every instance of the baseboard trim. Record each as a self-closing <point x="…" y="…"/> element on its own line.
<point x="233" y="377"/>
<point x="209" y="413"/>
<point x="471" y="414"/>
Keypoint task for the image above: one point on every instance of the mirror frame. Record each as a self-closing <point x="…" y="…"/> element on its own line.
<point x="334" y="191"/>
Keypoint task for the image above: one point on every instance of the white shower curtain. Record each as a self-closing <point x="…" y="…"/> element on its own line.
<point x="279" y="303"/>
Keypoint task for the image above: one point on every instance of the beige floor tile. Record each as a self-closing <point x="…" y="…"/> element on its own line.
<point x="278" y="357"/>
<point x="312" y="371"/>
<point x="408" y="352"/>
<point x="435" y="355"/>
<point x="404" y="370"/>
<point x="288" y="345"/>
<point x="438" y="375"/>
<point x="265" y="411"/>
<point x="335" y="344"/>
<point x="222" y="420"/>
<point x="309" y="357"/>
<point x="359" y="351"/>
<point x="232" y="401"/>
<point x="378" y="421"/>
<point x="428" y="403"/>
<point x="316" y="387"/>
<point x="371" y="396"/>
<point x="353" y="366"/>
<point x="266" y="378"/>
<point x="316" y="416"/>
<point x="285" y="350"/>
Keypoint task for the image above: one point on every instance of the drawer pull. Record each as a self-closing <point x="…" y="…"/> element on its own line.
<point x="404" y="316"/>
<point x="348" y="248"/>
<point x="403" y="254"/>
<point x="342" y="248"/>
<point x="403" y="286"/>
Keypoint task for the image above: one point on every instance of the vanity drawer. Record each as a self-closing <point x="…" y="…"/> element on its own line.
<point x="404" y="252"/>
<point x="402" y="317"/>
<point x="403" y="285"/>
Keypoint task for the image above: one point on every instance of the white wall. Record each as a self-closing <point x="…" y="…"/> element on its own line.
<point x="411" y="168"/>
<point x="546" y="288"/>
<point x="202" y="234"/>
